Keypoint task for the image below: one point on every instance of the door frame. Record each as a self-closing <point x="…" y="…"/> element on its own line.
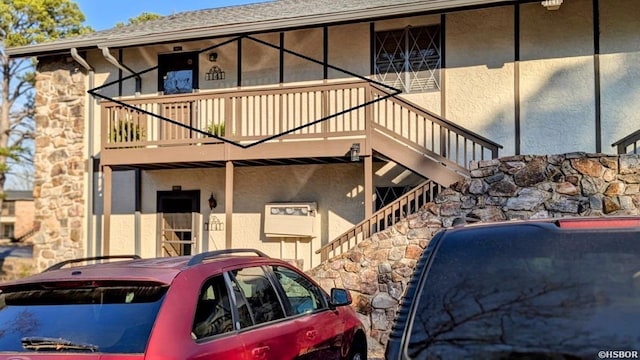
<point x="194" y="197"/>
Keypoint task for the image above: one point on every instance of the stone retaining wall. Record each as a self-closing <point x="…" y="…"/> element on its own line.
<point x="377" y="270"/>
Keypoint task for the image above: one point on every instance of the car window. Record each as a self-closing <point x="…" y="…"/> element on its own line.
<point x="262" y="301"/>
<point x="303" y="296"/>
<point x="213" y="312"/>
<point x="108" y="318"/>
<point x="500" y="293"/>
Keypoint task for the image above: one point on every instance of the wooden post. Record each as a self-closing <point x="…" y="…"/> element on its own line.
<point x="228" y="204"/>
<point x="106" y="199"/>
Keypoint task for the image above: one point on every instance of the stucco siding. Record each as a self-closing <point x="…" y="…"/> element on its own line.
<point x="557" y="79"/>
<point x="336" y="189"/>
<point x="619" y="69"/>
<point x="122" y="235"/>
<point x="479" y="73"/>
<point x="308" y="43"/>
<point x="349" y="49"/>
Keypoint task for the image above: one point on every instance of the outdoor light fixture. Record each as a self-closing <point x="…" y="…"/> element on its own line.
<point x="212" y="202"/>
<point x="552" y="4"/>
<point x="216" y="72"/>
<point x="355" y="152"/>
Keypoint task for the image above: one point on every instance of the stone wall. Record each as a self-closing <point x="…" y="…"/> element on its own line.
<point x="59" y="163"/>
<point x="377" y="270"/>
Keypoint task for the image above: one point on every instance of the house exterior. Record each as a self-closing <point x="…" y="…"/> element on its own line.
<point x="287" y="124"/>
<point x="17" y="216"/>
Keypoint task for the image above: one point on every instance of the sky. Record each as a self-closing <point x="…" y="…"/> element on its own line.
<point x="104" y="14"/>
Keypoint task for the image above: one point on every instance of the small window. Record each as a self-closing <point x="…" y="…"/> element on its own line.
<point x="8" y="208"/>
<point x="262" y="300"/>
<point x="409" y="59"/>
<point x="303" y="296"/>
<point x="213" y="312"/>
<point x="7" y="231"/>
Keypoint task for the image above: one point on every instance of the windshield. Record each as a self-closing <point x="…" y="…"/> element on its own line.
<point x="107" y="318"/>
<point x="500" y="293"/>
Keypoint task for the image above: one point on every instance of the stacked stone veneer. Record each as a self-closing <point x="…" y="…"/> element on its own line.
<point x="60" y="167"/>
<point x="377" y="270"/>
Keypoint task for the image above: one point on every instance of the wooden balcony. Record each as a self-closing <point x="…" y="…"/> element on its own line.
<point x="284" y="122"/>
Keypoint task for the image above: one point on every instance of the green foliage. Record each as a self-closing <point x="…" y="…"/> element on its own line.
<point x="26" y="22"/>
<point x="216" y="129"/>
<point x="144" y="17"/>
<point x="126" y="131"/>
<point x="23" y="23"/>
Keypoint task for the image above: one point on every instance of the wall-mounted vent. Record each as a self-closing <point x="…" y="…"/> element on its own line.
<point x="290" y="219"/>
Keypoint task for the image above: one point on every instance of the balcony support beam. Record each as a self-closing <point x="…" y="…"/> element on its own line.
<point x="368" y="187"/>
<point x="106" y="198"/>
<point x="228" y="204"/>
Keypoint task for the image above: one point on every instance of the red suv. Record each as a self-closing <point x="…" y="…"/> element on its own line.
<point x="217" y="305"/>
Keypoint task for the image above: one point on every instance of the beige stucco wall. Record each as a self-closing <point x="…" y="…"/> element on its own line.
<point x="479" y="73"/>
<point x="619" y="69"/>
<point x="348" y="49"/>
<point x="336" y="189"/>
<point x="298" y="183"/>
<point x="557" y="78"/>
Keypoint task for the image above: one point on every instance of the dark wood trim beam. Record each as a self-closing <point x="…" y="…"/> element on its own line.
<point x="325" y="52"/>
<point x="596" y="74"/>
<point x="239" y="62"/>
<point x="282" y="58"/>
<point x="120" y="59"/>
<point x="443" y="65"/>
<point x="372" y="46"/>
<point x="516" y="75"/>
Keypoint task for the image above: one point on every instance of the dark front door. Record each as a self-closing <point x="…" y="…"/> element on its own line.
<point x="177" y="221"/>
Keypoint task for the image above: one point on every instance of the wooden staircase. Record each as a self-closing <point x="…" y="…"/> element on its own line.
<point x="421" y="141"/>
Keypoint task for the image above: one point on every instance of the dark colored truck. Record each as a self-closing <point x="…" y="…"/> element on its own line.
<point x="565" y="288"/>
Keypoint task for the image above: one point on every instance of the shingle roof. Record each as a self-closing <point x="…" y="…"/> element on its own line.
<point x="234" y="20"/>
<point x="18" y="195"/>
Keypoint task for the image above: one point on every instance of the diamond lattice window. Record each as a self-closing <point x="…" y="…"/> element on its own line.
<point x="409" y="59"/>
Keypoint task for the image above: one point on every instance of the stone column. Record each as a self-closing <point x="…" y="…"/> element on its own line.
<point x="59" y="161"/>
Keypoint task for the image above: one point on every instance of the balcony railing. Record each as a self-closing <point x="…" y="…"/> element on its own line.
<point x="328" y="110"/>
<point x="243" y="117"/>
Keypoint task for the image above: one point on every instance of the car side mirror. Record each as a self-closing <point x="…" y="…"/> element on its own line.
<point x="340" y="297"/>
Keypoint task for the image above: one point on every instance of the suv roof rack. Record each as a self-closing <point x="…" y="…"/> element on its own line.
<point x="199" y="258"/>
<point x="72" y="261"/>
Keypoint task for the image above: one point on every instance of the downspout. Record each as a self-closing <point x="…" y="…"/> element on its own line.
<point x="107" y="55"/>
<point x="90" y="156"/>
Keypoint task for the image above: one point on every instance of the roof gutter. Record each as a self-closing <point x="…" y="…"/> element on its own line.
<point x="107" y="55"/>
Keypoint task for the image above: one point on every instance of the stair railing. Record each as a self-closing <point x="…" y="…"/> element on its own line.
<point x="388" y="216"/>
